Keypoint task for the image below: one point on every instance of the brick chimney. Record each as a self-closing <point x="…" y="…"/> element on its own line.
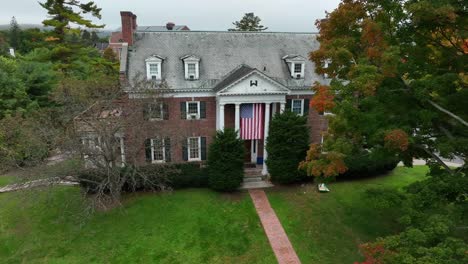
<point x="170" y="26"/>
<point x="134" y="17"/>
<point x="128" y="26"/>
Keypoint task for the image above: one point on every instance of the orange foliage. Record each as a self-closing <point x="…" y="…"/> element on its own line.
<point x="323" y="98"/>
<point x="51" y="39"/>
<point x="397" y="139"/>
<point x="373" y="38"/>
<point x="320" y="164"/>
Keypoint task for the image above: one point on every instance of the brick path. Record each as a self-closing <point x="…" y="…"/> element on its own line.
<point x="274" y="230"/>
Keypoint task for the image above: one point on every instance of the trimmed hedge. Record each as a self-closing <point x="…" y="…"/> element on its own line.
<point x="149" y="177"/>
<point x="287" y="146"/>
<point x="369" y="164"/>
<point x="226" y="161"/>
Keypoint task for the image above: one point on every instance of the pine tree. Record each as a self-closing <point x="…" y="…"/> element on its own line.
<point x="94" y="37"/>
<point x="14" y="34"/>
<point x="250" y="22"/>
<point x="62" y="14"/>
<point x="86" y="36"/>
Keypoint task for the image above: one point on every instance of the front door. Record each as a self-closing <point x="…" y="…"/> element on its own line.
<point x="248" y="145"/>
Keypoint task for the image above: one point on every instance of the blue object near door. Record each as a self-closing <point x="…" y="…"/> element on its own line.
<point x="259" y="160"/>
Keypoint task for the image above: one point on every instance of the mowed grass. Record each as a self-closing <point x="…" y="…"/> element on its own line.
<point x="328" y="227"/>
<point x="186" y="226"/>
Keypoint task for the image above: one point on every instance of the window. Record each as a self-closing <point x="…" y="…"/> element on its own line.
<point x="193" y="110"/>
<point x="191" y="70"/>
<point x="155" y="111"/>
<point x="158" y="152"/>
<point x="297" y="68"/>
<point x="191" y="66"/>
<point x="194" y="150"/>
<point x="153" y="67"/>
<point x="297" y="106"/>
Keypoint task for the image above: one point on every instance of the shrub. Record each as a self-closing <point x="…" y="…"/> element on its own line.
<point x="149" y="177"/>
<point x="226" y="161"/>
<point x="287" y="145"/>
<point x="369" y="164"/>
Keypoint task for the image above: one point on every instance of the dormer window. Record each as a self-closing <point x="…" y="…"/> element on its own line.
<point x="191" y="67"/>
<point x="153" y="67"/>
<point x="296" y="65"/>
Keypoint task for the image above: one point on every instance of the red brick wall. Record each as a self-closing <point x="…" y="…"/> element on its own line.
<point x="317" y="123"/>
<point x="175" y="128"/>
<point x="229" y="116"/>
<point x="179" y="129"/>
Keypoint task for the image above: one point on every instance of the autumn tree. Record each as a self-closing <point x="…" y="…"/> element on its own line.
<point x="398" y="76"/>
<point x="250" y="22"/>
<point x="63" y="12"/>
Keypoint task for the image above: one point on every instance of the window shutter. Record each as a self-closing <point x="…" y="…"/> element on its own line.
<point x="148" y="150"/>
<point x="203" y="148"/>
<point x="183" y="110"/>
<point x="203" y="110"/>
<point x="184" y="150"/>
<point x="146" y="111"/>
<point x="165" y="111"/>
<point x="306" y="107"/>
<point x="288" y="104"/>
<point x="167" y="149"/>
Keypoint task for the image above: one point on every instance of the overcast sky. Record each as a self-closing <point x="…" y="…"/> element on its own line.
<point x="277" y="15"/>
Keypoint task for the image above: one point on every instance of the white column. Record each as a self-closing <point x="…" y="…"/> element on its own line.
<point x="265" y="137"/>
<point x="237" y="118"/>
<point x="282" y="107"/>
<point x="217" y="115"/>
<point x="221" y="117"/>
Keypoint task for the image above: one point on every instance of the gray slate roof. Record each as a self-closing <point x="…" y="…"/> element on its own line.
<point x="159" y="28"/>
<point x="221" y="53"/>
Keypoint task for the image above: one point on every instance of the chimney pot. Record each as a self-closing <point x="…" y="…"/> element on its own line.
<point x="170" y="25"/>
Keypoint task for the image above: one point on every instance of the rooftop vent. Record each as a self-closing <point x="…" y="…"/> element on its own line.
<point x="170" y="26"/>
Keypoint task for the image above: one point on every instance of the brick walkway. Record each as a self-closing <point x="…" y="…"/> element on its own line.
<point x="274" y="230"/>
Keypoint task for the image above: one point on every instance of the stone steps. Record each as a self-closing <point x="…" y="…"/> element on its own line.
<point x="253" y="179"/>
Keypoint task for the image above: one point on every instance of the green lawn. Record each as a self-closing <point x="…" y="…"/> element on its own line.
<point x="328" y="227"/>
<point x="188" y="226"/>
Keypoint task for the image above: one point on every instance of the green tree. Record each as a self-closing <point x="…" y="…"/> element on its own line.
<point x="63" y="12"/>
<point x="13" y="91"/>
<point x="398" y="73"/>
<point x="86" y="36"/>
<point x="14" y="34"/>
<point x="250" y="22"/>
<point x="226" y="161"/>
<point x="286" y="146"/>
<point x="94" y="37"/>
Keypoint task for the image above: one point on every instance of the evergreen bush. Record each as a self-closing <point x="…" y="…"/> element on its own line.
<point x="287" y="145"/>
<point x="226" y="161"/>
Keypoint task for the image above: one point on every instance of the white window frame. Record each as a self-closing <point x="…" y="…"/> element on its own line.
<point x="153" y="60"/>
<point x="294" y="74"/>
<point x="199" y="149"/>
<point x="161" y="111"/>
<point x="191" y="60"/>
<point x="302" y="106"/>
<point x="189" y="116"/>
<point x="153" y="150"/>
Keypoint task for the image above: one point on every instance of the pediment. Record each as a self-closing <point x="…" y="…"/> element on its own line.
<point x="254" y="83"/>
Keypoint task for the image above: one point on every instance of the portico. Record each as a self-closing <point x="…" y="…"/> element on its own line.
<point x="250" y="87"/>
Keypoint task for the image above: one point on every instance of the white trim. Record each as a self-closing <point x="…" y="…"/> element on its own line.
<point x="284" y="89"/>
<point x="302" y="106"/>
<point x="153" y="160"/>
<point x="122" y="152"/>
<point x="161" y="112"/>
<point x="153" y="60"/>
<point x="189" y="116"/>
<point x="199" y="149"/>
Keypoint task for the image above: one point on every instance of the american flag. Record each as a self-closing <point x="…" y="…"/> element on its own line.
<point x="251" y="121"/>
